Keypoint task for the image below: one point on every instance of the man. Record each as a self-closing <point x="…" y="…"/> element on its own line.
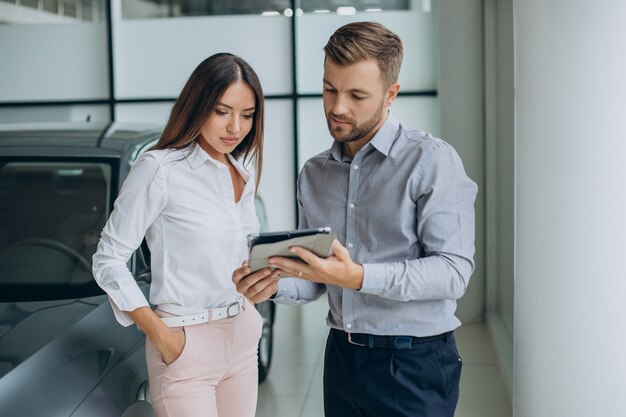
<point x="402" y="207"/>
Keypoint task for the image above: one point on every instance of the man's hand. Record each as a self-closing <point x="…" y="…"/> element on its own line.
<point x="338" y="269"/>
<point x="256" y="286"/>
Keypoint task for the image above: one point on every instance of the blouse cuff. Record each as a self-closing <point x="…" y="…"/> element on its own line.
<point x="125" y="299"/>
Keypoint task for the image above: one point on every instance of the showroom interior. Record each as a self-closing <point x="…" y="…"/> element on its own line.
<point x="529" y="92"/>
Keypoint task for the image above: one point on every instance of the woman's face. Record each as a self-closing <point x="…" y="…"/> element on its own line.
<point x="230" y="122"/>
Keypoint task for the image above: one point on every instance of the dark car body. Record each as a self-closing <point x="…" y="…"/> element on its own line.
<point x="62" y="353"/>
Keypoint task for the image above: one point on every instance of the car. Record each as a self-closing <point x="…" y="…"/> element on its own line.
<point x="62" y="353"/>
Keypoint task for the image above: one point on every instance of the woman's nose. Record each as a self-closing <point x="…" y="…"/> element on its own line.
<point x="233" y="125"/>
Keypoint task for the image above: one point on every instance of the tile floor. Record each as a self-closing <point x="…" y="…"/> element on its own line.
<point x="294" y="385"/>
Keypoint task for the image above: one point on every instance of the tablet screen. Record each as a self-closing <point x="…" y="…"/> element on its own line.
<point x="264" y="245"/>
<point x="261" y="238"/>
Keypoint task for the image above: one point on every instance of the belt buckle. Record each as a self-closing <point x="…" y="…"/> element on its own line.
<point x="229" y="313"/>
<point x="354" y="343"/>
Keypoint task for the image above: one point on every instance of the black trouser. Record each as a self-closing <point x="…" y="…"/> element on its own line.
<point x="408" y="377"/>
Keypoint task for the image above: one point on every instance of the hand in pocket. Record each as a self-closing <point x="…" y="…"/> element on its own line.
<point x="172" y="347"/>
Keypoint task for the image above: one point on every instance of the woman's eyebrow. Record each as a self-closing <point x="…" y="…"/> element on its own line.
<point x="230" y="107"/>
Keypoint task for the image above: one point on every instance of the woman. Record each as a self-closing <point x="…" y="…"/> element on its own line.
<point x="193" y="200"/>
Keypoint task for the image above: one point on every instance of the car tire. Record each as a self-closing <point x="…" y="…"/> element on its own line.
<point x="267" y="311"/>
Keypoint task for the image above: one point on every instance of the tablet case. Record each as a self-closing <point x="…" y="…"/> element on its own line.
<point x="320" y="244"/>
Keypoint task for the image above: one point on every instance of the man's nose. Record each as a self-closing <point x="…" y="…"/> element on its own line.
<point x="339" y="105"/>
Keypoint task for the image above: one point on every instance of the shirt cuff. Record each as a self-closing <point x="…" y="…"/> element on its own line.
<point x="287" y="293"/>
<point x="127" y="299"/>
<point x="374" y="279"/>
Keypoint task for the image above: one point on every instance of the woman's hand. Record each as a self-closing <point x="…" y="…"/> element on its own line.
<point x="255" y="286"/>
<point x="169" y="341"/>
<point x="171" y="344"/>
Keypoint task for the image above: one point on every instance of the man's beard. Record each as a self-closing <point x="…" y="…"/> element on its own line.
<point x="357" y="132"/>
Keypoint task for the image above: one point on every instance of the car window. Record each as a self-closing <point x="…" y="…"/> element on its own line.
<point x="51" y="216"/>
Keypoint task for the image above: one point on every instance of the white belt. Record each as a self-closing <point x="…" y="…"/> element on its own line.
<point x="187" y="316"/>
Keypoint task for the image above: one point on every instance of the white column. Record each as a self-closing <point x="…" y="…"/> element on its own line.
<point x="570" y="226"/>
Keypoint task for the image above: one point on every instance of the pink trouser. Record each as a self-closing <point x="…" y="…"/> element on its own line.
<point x="216" y="373"/>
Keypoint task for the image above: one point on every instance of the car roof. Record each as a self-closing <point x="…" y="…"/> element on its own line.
<point x="83" y="137"/>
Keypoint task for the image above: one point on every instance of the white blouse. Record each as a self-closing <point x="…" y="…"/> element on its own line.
<point x="182" y="201"/>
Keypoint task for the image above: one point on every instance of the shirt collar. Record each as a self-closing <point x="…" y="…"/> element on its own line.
<point x="239" y="166"/>
<point x="198" y="156"/>
<point x="386" y="135"/>
<point x="336" y="151"/>
<point x="382" y="139"/>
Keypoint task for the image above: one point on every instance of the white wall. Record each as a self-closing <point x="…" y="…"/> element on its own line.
<point x="570" y="280"/>
<point x="460" y="97"/>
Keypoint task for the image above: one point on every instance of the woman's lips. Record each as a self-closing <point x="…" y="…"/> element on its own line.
<point x="231" y="140"/>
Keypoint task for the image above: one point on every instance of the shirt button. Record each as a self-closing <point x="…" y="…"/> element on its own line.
<point x="350" y="245"/>
<point x="348" y="325"/>
<point x="351" y="205"/>
<point x="355" y="166"/>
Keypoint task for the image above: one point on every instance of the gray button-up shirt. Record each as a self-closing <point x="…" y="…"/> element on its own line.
<point x="404" y="209"/>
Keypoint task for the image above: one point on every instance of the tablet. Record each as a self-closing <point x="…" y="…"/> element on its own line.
<point x="264" y="245"/>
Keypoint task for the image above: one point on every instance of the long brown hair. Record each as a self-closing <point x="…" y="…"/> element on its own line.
<point x="198" y="99"/>
<point x="359" y="41"/>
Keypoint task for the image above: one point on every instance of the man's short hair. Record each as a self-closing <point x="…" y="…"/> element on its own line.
<point x="360" y="41"/>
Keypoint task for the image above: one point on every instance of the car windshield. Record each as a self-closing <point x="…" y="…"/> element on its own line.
<point x="51" y="215"/>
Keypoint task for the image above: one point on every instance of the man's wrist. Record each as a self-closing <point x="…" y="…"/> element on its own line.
<point x="358" y="277"/>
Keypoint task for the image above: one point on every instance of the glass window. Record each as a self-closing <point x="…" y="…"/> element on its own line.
<point x="61" y="113"/>
<point x="51" y="11"/>
<point x="418" y="112"/>
<point x="277" y="187"/>
<point x="51" y="216"/>
<point x="416" y="25"/>
<point x="143" y="112"/>
<point x="347" y="7"/>
<point x="414" y="112"/>
<point x="154" y="58"/>
<point x="142" y="9"/>
<point x="58" y="55"/>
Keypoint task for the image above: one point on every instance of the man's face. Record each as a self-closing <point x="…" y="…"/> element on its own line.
<point x="355" y="98"/>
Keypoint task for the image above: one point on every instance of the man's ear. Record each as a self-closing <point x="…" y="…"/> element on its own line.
<point x="392" y="93"/>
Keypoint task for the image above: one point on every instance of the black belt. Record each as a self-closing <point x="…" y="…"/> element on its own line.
<point x="389" y="342"/>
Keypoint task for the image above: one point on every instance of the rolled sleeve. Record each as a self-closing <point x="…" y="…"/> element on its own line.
<point x="141" y="199"/>
<point x="131" y="299"/>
